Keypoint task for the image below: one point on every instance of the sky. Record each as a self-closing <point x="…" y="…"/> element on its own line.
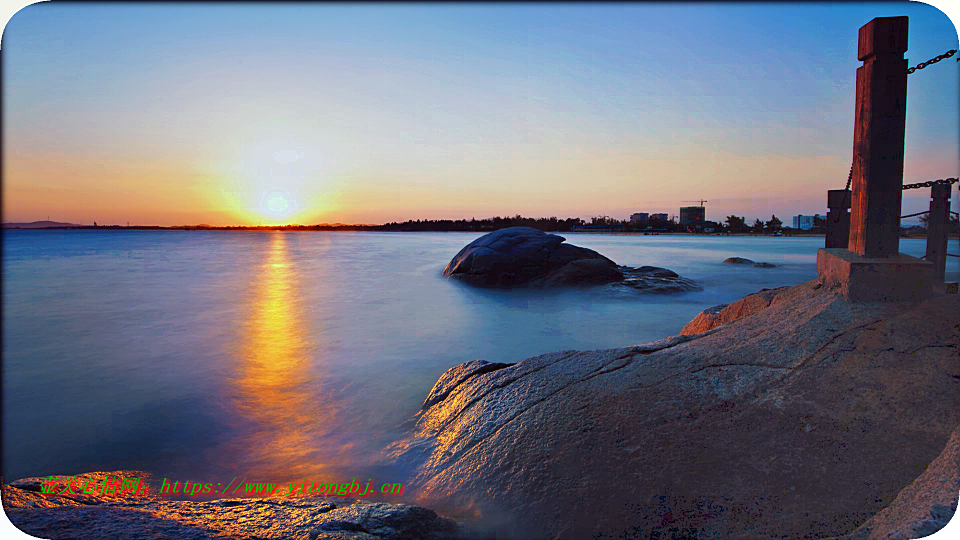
<point x="246" y="113"/>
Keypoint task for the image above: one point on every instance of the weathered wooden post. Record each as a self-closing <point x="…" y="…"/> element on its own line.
<point x="938" y="221"/>
<point x="871" y="267"/>
<point x="838" y="218"/>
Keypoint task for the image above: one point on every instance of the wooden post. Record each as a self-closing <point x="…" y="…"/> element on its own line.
<point x="838" y="218"/>
<point x="937" y="224"/>
<point x="878" y="138"/>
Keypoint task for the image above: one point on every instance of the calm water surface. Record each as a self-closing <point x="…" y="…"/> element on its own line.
<point x="281" y="355"/>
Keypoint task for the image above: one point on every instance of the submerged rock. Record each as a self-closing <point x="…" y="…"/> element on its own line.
<point x="741" y="260"/>
<point x="657" y="280"/>
<point x="527" y="257"/>
<point x="780" y="424"/>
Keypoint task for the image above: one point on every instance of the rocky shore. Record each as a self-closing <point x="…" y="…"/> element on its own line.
<point x="789" y="413"/>
<point x="99" y="517"/>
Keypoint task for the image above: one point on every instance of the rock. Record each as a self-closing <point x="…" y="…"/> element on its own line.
<point x="523" y="256"/>
<point x="456" y="375"/>
<point x="740" y="260"/>
<point x="715" y="316"/>
<point x="526" y="257"/>
<point x="657" y="280"/>
<point x="925" y="506"/>
<point x="779" y="424"/>
<point x="152" y="516"/>
<point x="706" y="320"/>
<point x="584" y="272"/>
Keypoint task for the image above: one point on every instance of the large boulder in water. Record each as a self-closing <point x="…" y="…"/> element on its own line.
<point x="523" y="256"/>
<point x="527" y="257"/>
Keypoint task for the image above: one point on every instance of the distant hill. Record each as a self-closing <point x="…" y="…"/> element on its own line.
<point x="38" y="225"/>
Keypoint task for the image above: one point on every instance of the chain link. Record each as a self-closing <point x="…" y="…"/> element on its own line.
<point x="943" y="56"/>
<point x="929" y="183"/>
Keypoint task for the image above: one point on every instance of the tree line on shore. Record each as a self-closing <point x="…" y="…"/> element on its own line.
<point x="732" y="224"/>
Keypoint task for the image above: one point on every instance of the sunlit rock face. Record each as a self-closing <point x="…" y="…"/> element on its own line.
<point x="715" y="316"/>
<point x="527" y="257"/>
<point x="802" y="418"/>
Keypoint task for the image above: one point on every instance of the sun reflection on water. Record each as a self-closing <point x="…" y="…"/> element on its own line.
<point x="273" y="387"/>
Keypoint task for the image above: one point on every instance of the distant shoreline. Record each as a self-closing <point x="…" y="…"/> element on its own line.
<point x="386" y="228"/>
<point x="363" y="228"/>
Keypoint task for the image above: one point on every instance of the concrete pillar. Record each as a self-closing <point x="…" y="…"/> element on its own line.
<point x="938" y="221"/>
<point x="838" y="218"/>
<point x="881" y="105"/>
<point x="870" y="267"/>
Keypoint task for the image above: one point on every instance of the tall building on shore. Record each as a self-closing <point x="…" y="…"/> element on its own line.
<point x="692" y="215"/>
<point x="639" y="217"/>
<point x="805" y="223"/>
<point x="659" y="217"/>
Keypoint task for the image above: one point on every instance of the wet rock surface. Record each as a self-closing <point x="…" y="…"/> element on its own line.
<point x="527" y="257"/>
<point x="150" y="516"/>
<point x="778" y="424"/>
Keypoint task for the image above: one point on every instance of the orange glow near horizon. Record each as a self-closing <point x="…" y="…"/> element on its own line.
<point x="364" y="115"/>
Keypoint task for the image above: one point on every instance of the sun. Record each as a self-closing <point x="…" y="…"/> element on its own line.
<point x="277" y="204"/>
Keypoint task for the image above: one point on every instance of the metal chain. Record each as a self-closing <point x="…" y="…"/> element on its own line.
<point x="929" y="183"/>
<point x="922" y="65"/>
<point x="849" y="177"/>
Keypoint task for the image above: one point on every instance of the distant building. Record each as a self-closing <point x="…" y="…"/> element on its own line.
<point x="805" y="223"/>
<point x="639" y="217"/>
<point x="659" y="217"/>
<point x="597" y="228"/>
<point x="692" y="215"/>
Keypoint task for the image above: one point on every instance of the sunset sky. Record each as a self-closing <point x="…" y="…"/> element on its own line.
<point x="170" y="114"/>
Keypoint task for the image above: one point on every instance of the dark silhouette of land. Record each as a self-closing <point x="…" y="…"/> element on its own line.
<point x="732" y="225"/>
<point x="39" y="225"/>
<point x="551" y="224"/>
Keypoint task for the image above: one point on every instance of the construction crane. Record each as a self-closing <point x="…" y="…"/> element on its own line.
<point x="701" y="201"/>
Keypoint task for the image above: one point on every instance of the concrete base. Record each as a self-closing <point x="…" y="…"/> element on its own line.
<point x="890" y="279"/>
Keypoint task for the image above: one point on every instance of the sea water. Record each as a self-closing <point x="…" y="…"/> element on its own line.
<point x="207" y="355"/>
